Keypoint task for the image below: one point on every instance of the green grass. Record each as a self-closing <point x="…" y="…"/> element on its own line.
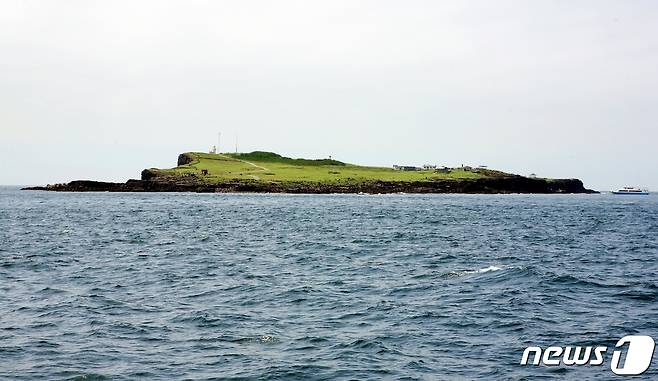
<point x="266" y="166"/>
<point x="271" y="157"/>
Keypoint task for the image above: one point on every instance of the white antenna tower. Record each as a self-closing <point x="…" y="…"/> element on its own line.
<point x="219" y="140"/>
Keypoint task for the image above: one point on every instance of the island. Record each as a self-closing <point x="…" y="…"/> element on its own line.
<point x="268" y="172"/>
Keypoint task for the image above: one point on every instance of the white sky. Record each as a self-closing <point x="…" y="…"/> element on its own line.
<point x="101" y="90"/>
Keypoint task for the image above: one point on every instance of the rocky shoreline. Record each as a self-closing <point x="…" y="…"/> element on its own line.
<point x="497" y="185"/>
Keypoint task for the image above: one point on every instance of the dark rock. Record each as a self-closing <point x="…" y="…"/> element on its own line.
<point x="184" y="159"/>
<point x="159" y="182"/>
<point x="149" y="174"/>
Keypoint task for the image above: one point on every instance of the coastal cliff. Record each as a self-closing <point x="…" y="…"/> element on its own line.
<point x="262" y="172"/>
<point x="483" y="186"/>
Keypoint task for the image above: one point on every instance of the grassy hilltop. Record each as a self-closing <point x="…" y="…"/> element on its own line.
<point x="271" y="167"/>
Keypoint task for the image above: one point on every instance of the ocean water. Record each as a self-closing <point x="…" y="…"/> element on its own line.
<point x="101" y="286"/>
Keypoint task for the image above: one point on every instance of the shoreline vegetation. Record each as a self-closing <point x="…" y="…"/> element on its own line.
<point x="267" y="172"/>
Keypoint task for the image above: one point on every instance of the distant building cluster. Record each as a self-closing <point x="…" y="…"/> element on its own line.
<point x="426" y="167"/>
<point x="407" y="168"/>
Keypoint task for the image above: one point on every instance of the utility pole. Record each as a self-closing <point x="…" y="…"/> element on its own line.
<point x="236" y="143"/>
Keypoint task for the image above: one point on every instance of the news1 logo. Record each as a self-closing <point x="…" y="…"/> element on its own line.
<point x="637" y="356"/>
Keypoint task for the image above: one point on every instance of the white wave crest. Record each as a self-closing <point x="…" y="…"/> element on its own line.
<point x="453" y="274"/>
<point x="485" y="270"/>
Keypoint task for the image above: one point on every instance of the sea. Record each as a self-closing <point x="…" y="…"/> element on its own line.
<point x="184" y="286"/>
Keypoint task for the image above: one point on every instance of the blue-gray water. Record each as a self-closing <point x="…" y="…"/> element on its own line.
<point x="100" y="286"/>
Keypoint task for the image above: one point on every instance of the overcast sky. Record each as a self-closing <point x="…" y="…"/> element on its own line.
<point x="101" y="90"/>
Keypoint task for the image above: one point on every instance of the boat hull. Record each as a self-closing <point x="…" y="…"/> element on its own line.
<point x="632" y="193"/>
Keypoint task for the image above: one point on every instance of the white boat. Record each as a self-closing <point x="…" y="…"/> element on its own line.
<point x="631" y="191"/>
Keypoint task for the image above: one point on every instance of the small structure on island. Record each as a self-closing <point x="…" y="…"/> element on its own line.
<point x="533" y="176"/>
<point x="213" y="149"/>
<point x="443" y="170"/>
<point x="204" y="172"/>
<point x="406" y="168"/>
<point x="429" y="166"/>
